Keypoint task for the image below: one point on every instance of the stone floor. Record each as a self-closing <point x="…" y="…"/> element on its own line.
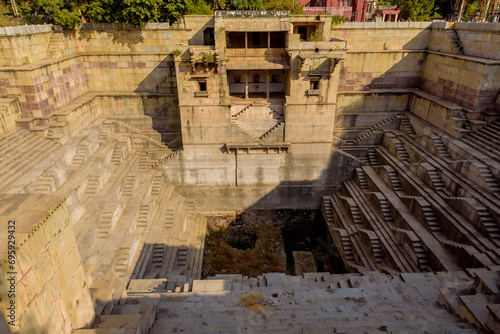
<point x="312" y="303"/>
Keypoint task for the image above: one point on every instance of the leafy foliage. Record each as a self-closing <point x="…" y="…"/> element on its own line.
<point x="336" y="20"/>
<point x="469" y="10"/>
<point x="199" y="7"/>
<point x="70" y="13"/>
<point x="417" y="10"/>
<point x="292" y="6"/>
<point x="316" y="36"/>
<point x="248" y="4"/>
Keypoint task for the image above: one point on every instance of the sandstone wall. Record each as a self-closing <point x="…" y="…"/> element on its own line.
<point x="371" y="36"/>
<point x="296" y="179"/>
<point x="480" y="39"/>
<point x="153" y="73"/>
<point x="380" y="70"/>
<point x="309" y="122"/>
<point x="51" y="293"/>
<point x="24" y="49"/>
<point x="477" y="39"/>
<point x="365" y="109"/>
<point x="9" y="114"/>
<point x="472" y="83"/>
<point x="42" y="88"/>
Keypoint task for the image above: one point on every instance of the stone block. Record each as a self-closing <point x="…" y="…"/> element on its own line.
<point x="122" y="321"/>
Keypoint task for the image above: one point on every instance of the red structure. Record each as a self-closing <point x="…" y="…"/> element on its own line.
<point x="388" y="13"/>
<point x="354" y="9"/>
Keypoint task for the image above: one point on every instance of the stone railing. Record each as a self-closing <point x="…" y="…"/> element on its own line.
<point x="27" y="29"/>
<point x="384" y="25"/>
<point x="252" y="13"/>
<point x="331" y="44"/>
<point x="479" y="26"/>
<point x="115" y="26"/>
<point x="338" y="11"/>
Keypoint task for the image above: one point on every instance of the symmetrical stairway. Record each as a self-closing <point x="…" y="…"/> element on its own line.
<point x="414" y="196"/>
<point x="259" y="121"/>
<point x="486" y="140"/>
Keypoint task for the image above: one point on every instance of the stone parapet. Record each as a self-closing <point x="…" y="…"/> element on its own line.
<point x="51" y="294"/>
<point x="27" y="29"/>
<point x="385" y="25"/>
<point x="251" y="13"/>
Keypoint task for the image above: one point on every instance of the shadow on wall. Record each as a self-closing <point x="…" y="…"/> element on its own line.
<point x="385" y="69"/>
<point x="308" y="193"/>
<point x="204" y="38"/>
<point x="125" y="37"/>
<point x="161" y="102"/>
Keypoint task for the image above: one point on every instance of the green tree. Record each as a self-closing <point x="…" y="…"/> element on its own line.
<point x="172" y="10"/>
<point x="248" y="4"/>
<point x="292" y="6"/>
<point x="102" y="11"/>
<point x="198" y="7"/>
<point x="469" y="10"/>
<point x="417" y="10"/>
<point x="63" y="13"/>
<point x="140" y="12"/>
<point x="68" y="18"/>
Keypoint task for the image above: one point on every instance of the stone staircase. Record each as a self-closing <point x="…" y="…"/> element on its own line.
<point x="486" y="140"/>
<point x="151" y="137"/>
<point x="181" y="257"/>
<point x="80" y="155"/>
<point x="424" y="165"/>
<point x="18" y="156"/>
<point x="478" y="303"/>
<point x="372" y="157"/>
<point x="93" y="185"/>
<point x="378" y="252"/>
<point x="143" y="215"/>
<point x="259" y="121"/>
<point x="108" y="220"/>
<point x="406" y="126"/>
<point x="309" y="303"/>
<point x="275" y="134"/>
<point x="169" y="218"/>
<point x="453" y="37"/>
<point x="120" y="153"/>
<point x="491" y="183"/>
<point x="441" y="148"/>
<point x="46" y="184"/>
<point x="401" y="152"/>
<point x="436" y="179"/>
<point x="423" y="259"/>
<point x="130" y="184"/>
<point x="394" y="179"/>
<point x="363" y="183"/>
<point x="431" y="219"/>
<point x="488" y="222"/>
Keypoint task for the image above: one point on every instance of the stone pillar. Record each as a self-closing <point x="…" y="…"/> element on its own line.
<point x="246" y="42"/>
<point x="383" y="17"/>
<point x="396" y="18"/>
<point x="268" y="74"/>
<point x="246" y="79"/>
<point x="268" y="39"/>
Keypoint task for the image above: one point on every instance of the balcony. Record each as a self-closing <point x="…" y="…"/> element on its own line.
<point x="313" y="92"/>
<point x="201" y="94"/>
